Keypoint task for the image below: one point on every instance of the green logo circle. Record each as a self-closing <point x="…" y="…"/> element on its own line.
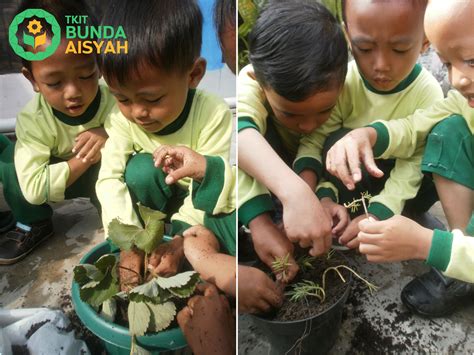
<point x="34" y="28"/>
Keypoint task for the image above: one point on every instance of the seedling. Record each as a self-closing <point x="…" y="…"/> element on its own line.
<point x="305" y="289"/>
<point x="151" y="306"/>
<point x="305" y="262"/>
<point x="356" y="203"/>
<point x="280" y="266"/>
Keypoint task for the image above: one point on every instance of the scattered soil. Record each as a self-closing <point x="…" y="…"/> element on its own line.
<point x="311" y="306"/>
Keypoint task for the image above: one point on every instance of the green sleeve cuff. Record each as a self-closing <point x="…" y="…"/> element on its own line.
<point x="255" y="207"/>
<point x="326" y="192"/>
<point x="383" y="138"/>
<point x="440" y="251"/>
<point x="380" y="211"/>
<point x="178" y="227"/>
<point x="308" y="163"/>
<point x="207" y="192"/>
<point x="470" y="227"/>
<point x="246" y="122"/>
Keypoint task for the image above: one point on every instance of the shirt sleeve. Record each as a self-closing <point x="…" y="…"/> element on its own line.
<point x="214" y="140"/>
<point x="39" y="180"/>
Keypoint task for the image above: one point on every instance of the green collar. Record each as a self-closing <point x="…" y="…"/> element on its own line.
<point x="87" y="116"/>
<point x="182" y="118"/>
<point x="400" y="87"/>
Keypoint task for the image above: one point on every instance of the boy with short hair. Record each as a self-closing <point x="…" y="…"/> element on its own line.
<point x="224" y="20"/>
<point x="59" y="137"/>
<point x="445" y="132"/>
<point x="155" y="86"/>
<point x="298" y="58"/>
<point x="384" y="81"/>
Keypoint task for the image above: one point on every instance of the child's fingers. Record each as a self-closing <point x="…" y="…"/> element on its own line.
<point x="369" y="249"/>
<point x="80" y="141"/>
<point x="93" y="152"/>
<point x="85" y="149"/>
<point x="353" y="162"/>
<point x="372" y="239"/>
<point x="342" y="168"/>
<point x="371" y="227"/>
<point x="183" y="317"/>
<point x="349" y="234"/>
<point x="354" y="243"/>
<point x="343" y="217"/>
<point x="178" y="174"/>
<point x="160" y="154"/>
<point x="369" y="162"/>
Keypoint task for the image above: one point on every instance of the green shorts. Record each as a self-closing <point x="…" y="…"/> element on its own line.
<point x="449" y="151"/>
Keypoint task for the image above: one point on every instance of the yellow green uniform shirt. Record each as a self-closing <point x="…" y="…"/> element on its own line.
<point x="41" y="136"/>
<point x="360" y="104"/>
<point x="253" y="113"/>
<point x="206" y="130"/>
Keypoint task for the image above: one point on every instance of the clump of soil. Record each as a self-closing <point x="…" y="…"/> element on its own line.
<point x="311" y="306"/>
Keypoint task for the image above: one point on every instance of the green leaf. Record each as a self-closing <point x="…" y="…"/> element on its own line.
<point x="106" y="289"/>
<point x="177" y="280"/>
<point x="105" y="264"/>
<point x="137" y="349"/>
<point x="91" y="284"/>
<point x="109" y="309"/>
<point x="148" y="214"/>
<point x="150" y="289"/>
<point x="186" y="290"/>
<point x="80" y="275"/>
<point x="123" y="235"/>
<point x="161" y="315"/>
<point x="138" y="318"/>
<point x="29" y="40"/>
<point x="149" y="238"/>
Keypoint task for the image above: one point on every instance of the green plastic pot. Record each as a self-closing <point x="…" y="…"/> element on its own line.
<point x="116" y="339"/>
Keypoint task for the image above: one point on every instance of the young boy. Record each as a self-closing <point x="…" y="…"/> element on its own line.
<point x="447" y="157"/>
<point x="155" y="86"/>
<point x="383" y="82"/>
<point x="298" y="58"/>
<point x="224" y="19"/>
<point x="59" y="137"/>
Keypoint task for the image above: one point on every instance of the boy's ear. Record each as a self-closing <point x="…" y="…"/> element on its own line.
<point x="197" y="72"/>
<point x="27" y="74"/>
<point x="346" y="35"/>
<point x="425" y="45"/>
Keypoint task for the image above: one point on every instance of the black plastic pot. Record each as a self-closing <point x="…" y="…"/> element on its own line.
<point x="314" y="335"/>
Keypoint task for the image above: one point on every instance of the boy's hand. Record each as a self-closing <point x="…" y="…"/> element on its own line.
<point x="344" y="158"/>
<point x="130" y="268"/>
<point x="395" y="239"/>
<point x="180" y="162"/>
<point x="208" y="313"/>
<point x="349" y="237"/>
<point x="257" y="292"/>
<point x="271" y="243"/>
<point x="167" y="258"/>
<point x="198" y="243"/>
<point x="305" y="220"/>
<point x="338" y="213"/>
<point x="89" y="143"/>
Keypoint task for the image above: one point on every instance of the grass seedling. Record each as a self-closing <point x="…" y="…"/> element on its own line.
<point x="305" y="262"/>
<point x="306" y="289"/>
<point x="356" y="203"/>
<point x="280" y="266"/>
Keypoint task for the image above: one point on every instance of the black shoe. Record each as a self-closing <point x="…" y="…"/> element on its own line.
<point x="7" y="221"/>
<point x="435" y="295"/>
<point x="17" y="243"/>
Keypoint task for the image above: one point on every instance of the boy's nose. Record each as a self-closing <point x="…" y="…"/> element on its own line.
<point x="307" y="126"/>
<point x="382" y="64"/>
<point x="71" y="92"/>
<point x="139" y="112"/>
<point x="459" y="79"/>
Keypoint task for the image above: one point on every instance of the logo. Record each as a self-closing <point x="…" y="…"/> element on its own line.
<point x="29" y="30"/>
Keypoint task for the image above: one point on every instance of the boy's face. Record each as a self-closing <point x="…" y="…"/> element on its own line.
<point x="68" y="82"/>
<point x="386" y="39"/>
<point x="449" y="27"/>
<point x="303" y="116"/>
<point x="156" y="98"/>
<point x="227" y="39"/>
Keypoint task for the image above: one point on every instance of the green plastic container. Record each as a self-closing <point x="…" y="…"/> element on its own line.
<point x="116" y="339"/>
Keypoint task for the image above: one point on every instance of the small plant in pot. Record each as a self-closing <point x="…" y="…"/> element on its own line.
<point x="147" y="301"/>
<point x="309" y="318"/>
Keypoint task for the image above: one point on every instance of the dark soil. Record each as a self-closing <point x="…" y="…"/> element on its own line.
<point x="311" y="306"/>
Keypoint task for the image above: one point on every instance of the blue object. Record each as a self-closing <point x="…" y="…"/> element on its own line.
<point x="211" y="50"/>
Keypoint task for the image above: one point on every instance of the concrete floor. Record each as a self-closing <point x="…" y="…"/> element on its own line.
<point x="379" y="323"/>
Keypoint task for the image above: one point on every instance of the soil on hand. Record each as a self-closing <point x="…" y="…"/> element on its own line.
<point x="130" y="268"/>
<point x="311" y="306"/>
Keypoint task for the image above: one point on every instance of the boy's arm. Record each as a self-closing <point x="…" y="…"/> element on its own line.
<point x="111" y="188"/>
<point x="214" y="140"/>
<point x="39" y="180"/>
<point x="306" y="222"/>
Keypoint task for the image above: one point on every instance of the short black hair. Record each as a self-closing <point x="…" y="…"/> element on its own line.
<point x="297" y="48"/>
<point x="422" y="3"/>
<point x="166" y="34"/>
<point x="224" y="15"/>
<point x="59" y="9"/>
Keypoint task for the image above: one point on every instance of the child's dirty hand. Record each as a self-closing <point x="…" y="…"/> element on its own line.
<point x="340" y="216"/>
<point x="257" y="292"/>
<point x="271" y="243"/>
<point x="130" y="268"/>
<point x="205" y="314"/>
<point x="344" y="158"/>
<point x="305" y="220"/>
<point x="349" y="236"/>
<point x="395" y="239"/>
<point x="89" y="144"/>
<point x="167" y="258"/>
<point x="180" y="162"/>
